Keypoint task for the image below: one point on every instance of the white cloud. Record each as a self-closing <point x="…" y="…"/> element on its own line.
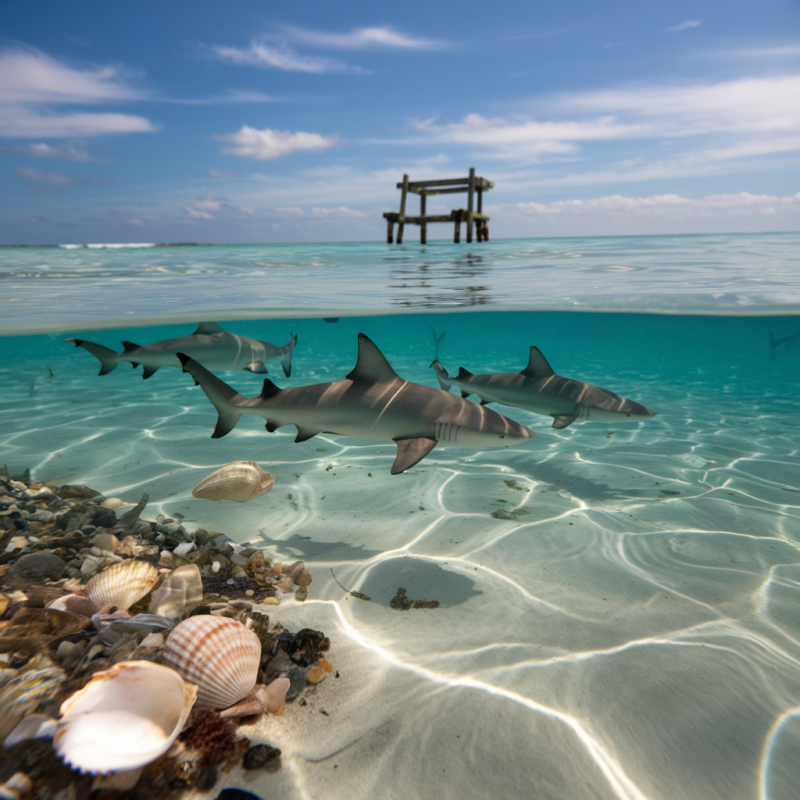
<point x="684" y="26"/>
<point x="208" y="204"/>
<point x="31" y="83"/>
<point x="267" y="144"/>
<point x="361" y="38"/>
<point x="340" y="211"/>
<point x="280" y="57"/>
<point x="58" y="179"/>
<point x="223" y="173"/>
<point x="195" y="214"/>
<point x="66" y="152"/>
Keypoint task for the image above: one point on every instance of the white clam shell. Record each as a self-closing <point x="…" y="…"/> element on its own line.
<point x="121" y="585"/>
<point x="124" y="718"/>
<point x="239" y="481"/>
<point x="217" y="654"/>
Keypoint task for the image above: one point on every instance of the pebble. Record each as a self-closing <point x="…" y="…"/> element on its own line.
<point x="316" y="675"/>
<point x="259" y="755"/>
<point x="270" y="601"/>
<point x="206" y="779"/>
<point x="69" y="653"/>
<point x="35" y="568"/>
<point x="301" y="594"/>
<point x="249" y="592"/>
<point x="17" y="786"/>
<point x="112" y="503"/>
<point x="326" y="665"/>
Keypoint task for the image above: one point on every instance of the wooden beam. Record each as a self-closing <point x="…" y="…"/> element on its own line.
<point x="389" y="230"/>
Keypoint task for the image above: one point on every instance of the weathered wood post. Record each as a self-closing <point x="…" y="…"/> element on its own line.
<point x="402" y="218"/>
<point x="470" y="203"/>
<point x="457" y="232"/>
<point x="389" y="231"/>
<point x="423" y="228"/>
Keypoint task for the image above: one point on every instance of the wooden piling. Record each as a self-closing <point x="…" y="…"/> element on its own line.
<point x="423" y="228"/>
<point x="402" y="219"/>
<point x="470" y="203"/>
<point x="389" y="231"/>
<point x="457" y="232"/>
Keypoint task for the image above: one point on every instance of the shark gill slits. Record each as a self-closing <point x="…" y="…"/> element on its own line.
<point x="445" y="432"/>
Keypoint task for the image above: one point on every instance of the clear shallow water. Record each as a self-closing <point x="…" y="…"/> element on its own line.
<point x="55" y="288"/>
<point x="633" y="633"/>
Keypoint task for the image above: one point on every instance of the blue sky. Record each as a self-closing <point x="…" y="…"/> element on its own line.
<point x="256" y="122"/>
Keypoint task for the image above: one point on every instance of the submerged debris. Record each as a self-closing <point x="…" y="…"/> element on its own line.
<point x="401" y="603"/>
<point x="350" y="592"/>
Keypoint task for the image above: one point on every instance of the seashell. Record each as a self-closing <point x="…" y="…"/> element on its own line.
<point x="121" y="585"/>
<point x="74" y="603"/>
<point x="20" y="693"/>
<point x="124" y="718"/>
<point x="239" y="481"/>
<point x="217" y="654"/>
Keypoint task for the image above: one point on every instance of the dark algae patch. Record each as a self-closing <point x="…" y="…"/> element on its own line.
<point x="510" y="513"/>
<point x="402" y="603"/>
<point x="515" y="485"/>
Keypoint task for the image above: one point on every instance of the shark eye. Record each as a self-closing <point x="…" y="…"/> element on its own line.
<point x="627" y="413"/>
<point x="502" y="436"/>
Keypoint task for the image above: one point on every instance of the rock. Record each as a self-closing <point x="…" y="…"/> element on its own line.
<point x="206" y="779"/>
<point x="5" y="602"/>
<point x="130" y="518"/>
<point x="77" y="492"/>
<point x="69" y="653"/>
<point x="106" y="541"/>
<point x="293" y="570"/>
<point x="303" y="579"/>
<point x="181" y="591"/>
<point x="35" y="568"/>
<point x="184" y="548"/>
<point x="315" y="675"/>
<point x="103" y="518"/>
<point x="326" y="665"/>
<point x="16" y="543"/>
<point x="42" y="516"/>
<point x="239" y="559"/>
<point x="270" y="601"/>
<point x="259" y="755"/>
<point x="285" y="584"/>
<point x="201" y="536"/>
<point x="301" y="595"/>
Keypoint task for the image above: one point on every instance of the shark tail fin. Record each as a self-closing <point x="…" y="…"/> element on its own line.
<point x="218" y="392"/>
<point x="108" y="358"/>
<point x="442" y="375"/>
<point x="286" y="356"/>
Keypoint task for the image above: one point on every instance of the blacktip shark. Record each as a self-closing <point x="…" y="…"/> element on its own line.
<point x="373" y="402"/>
<point x="210" y="344"/>
<point x="538" y="389"/>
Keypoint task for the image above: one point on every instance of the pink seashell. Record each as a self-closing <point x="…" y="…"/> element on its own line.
<point x="121" y="585"/>
<point x="74" y="603"/>
<point x="217" y="654"/>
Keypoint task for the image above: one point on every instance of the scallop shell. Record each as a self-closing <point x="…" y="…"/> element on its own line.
<point x="121" y="585"/>
<point x="220" y="655"/>
<point x="239" y="481"/>
<point x="124" y="718"/>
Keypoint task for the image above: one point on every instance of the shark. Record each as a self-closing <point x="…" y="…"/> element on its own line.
<point x="538" y="389"/>
<point x="372" y="402"/>
<point x="784" y="341"/>
<point x="210" y="344"/>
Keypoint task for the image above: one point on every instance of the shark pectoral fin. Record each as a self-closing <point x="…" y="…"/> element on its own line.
<point x="257" y="366"/>
<point x="410" y="452"/>
<point x="562" y="420"/>
<point x="303" y="434"/>
<point x="271" y="427"/>
<point x="148" y="371"/>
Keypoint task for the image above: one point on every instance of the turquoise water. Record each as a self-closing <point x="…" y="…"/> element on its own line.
<point x="633" y="630"/>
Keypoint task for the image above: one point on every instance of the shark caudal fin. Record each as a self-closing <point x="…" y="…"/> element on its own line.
<point x="442" y="375"/>
<point x="109" y="360"/>
<point x="218" y="392"/>
<point x="286" y="356"/>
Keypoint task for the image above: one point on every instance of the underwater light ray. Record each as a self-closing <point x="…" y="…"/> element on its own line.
<point x="619" y="782"/>
<point x="766" y="750"/>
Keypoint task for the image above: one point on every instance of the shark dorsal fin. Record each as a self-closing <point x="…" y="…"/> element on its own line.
<point x="537" y="365"/>
<point x="463" y="373"/>
<point x="209" y="327"/>
<point x="129" y="347"/>
<point x="269" y="390"/>
<point x="371" y="366"/>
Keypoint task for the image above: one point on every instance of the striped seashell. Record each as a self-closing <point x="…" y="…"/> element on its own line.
<point x="217" y="654"/>
<point x="121" y="585"/>
<point x="239" y="481"/>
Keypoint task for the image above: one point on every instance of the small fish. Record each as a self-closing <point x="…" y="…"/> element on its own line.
<point x="437" y="340"/>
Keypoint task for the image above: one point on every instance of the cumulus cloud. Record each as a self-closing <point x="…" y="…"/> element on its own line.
<point x="66" y="152"/>
<point x="362" y="38"/>
<point x="685" y="26"/>
<point x="33" y="83"/>
<point x="280" y="56"/>
<point x="223" y="173"/>
<point x="266" y="144"/>
<point x="57" y="179"/>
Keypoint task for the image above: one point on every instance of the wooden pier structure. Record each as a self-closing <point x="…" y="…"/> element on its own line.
<point x="472" y="216"/>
